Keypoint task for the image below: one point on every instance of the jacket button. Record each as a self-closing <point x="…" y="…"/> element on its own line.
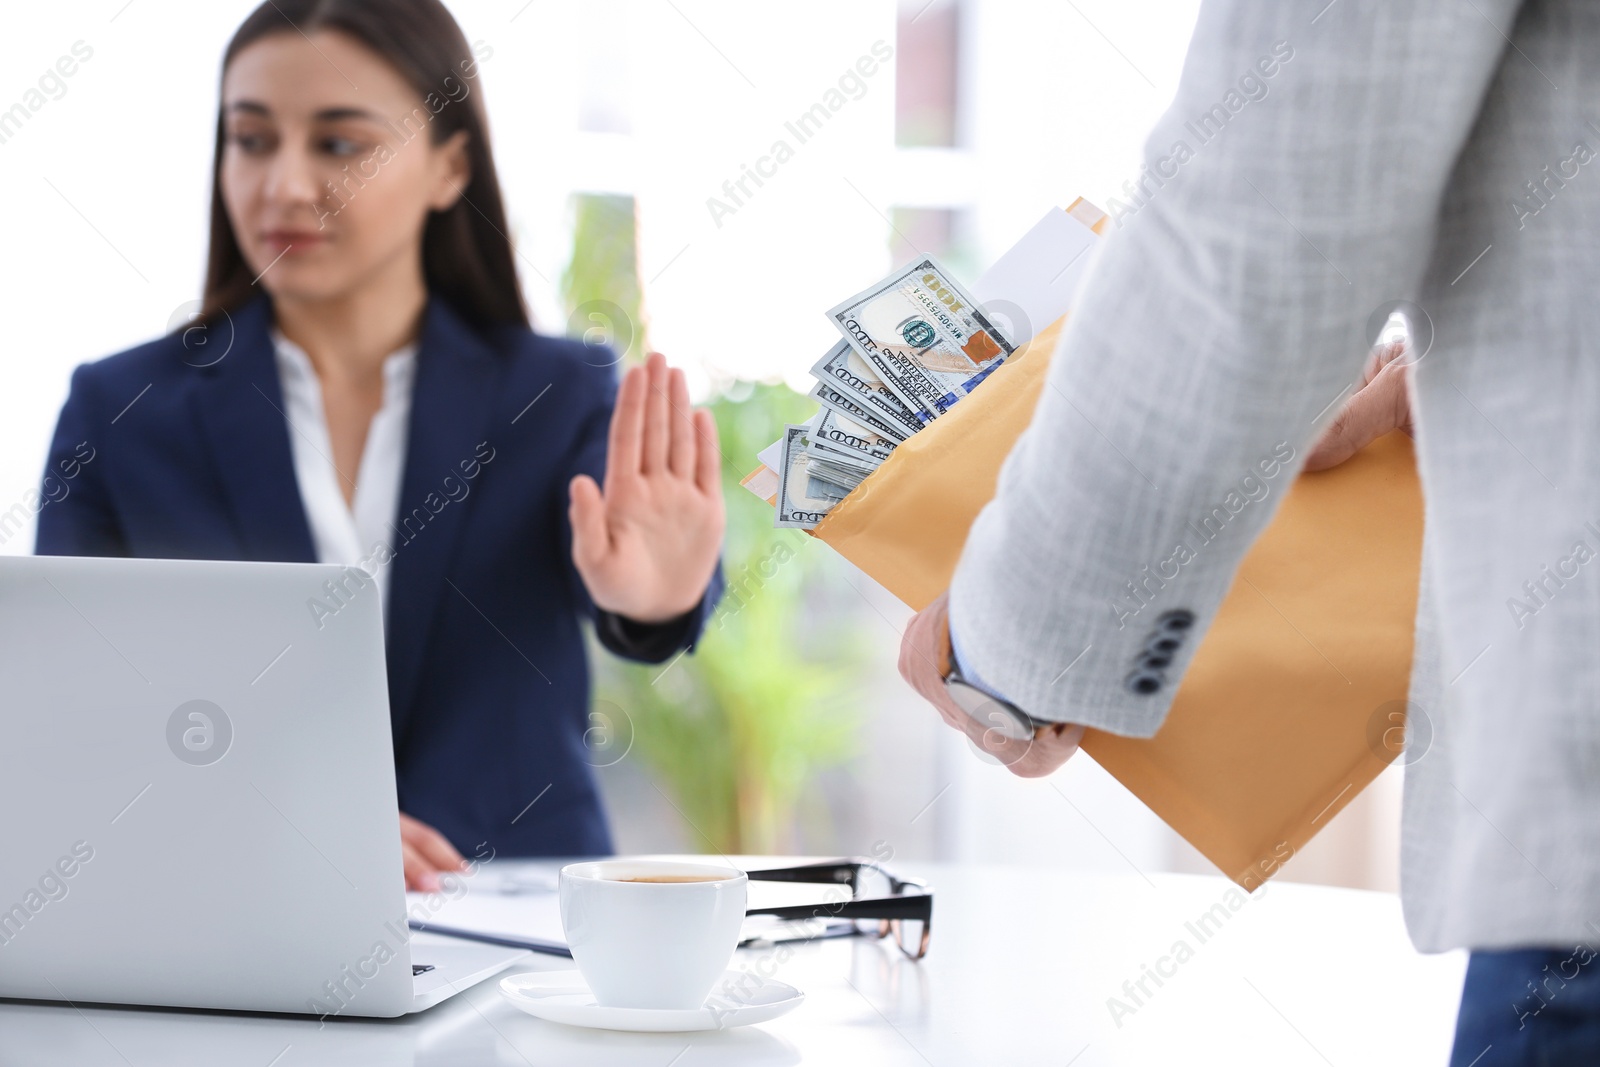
<point x="1144" y="681"/>
<point x="1179" y="619"/>
<point x="1163" y="643"/>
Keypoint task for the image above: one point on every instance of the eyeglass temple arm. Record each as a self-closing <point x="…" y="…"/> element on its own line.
<point x="917" y="907"/>
<point x="816" y="873"/>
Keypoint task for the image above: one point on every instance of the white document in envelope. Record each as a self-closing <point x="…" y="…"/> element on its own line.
<point x="1033" y="283"/>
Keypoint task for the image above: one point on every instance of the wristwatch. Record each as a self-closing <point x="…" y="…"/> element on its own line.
<point x="989" y="711"/>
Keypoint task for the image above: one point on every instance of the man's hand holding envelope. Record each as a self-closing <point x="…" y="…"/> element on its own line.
<point x="925" y="663"/>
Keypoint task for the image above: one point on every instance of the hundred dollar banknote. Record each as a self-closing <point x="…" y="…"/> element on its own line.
<point x="844" y="370"/>
<point x="823" y="479"/>
<point x="923" y="335"/>
<point x="829" y="397"/>
<point x="819" y="488"/>
<point x="846" y="478"/>
<point x="832" y="469"/>
<point x="834" y="434"/>
<point x="796" y="506"/>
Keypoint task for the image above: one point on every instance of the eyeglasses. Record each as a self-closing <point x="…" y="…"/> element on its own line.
<point x="880" y="903"/>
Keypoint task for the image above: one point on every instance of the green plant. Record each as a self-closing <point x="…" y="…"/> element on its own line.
<point x="737" y="731"/>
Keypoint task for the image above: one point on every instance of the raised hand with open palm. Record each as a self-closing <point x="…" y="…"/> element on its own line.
<point x="647" y="543"/>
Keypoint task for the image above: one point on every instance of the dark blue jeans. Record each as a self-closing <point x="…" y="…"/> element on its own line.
<point x="1530" y="1008"/>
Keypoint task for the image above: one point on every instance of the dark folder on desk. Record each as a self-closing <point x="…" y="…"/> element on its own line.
<point x="1294" y="700"/>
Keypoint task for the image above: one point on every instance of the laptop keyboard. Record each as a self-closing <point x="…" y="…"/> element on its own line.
<point x="420" y="968"/>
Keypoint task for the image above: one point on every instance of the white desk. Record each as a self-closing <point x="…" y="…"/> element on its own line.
<point x="1020" y="971"/>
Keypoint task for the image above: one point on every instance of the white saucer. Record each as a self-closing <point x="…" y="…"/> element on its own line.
<point x="564" y="997"/>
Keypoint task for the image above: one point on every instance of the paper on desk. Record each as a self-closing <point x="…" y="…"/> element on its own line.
<point x="524" y="909"/>
<point x="533" y="915"/>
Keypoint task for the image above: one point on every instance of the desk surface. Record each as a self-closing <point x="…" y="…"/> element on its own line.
<point x="1022" y="969"/>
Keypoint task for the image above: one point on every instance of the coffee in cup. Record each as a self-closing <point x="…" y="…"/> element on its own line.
<point x="651" y="933"/>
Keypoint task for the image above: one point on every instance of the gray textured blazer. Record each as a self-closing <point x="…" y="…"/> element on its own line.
<point x="1318" y="165"/>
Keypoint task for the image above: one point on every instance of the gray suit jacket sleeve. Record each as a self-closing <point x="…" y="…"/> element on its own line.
<point x="1290" y="193"/>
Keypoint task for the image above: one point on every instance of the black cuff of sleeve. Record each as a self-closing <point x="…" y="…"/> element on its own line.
<point x="648" y="642"/>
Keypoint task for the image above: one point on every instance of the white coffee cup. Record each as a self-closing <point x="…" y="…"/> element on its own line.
<point x="651" y="933"/>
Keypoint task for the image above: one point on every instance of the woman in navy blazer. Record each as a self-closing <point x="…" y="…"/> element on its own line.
<point x="355" y="223"/>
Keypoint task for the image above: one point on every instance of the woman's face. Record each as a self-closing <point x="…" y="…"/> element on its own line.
<point x="329" y="170"/>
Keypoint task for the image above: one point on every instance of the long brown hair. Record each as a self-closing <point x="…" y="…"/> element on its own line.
<point x="466" y="255"/>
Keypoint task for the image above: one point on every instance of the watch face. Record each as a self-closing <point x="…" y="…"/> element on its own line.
<point x="993" y="714"/>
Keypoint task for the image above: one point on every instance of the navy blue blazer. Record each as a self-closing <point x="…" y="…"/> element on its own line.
<point x="488" y="679"/>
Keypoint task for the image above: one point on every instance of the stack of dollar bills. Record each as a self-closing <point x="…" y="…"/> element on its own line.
<point x="913" y="345"/>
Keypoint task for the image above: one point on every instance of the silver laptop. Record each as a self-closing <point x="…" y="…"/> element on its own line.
<point x="197" y="781"/>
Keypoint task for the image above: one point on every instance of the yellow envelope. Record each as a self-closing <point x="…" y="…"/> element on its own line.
<point x="1294" y="700"/>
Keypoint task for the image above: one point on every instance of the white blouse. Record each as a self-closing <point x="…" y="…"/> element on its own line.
<point x="349" y="534"/>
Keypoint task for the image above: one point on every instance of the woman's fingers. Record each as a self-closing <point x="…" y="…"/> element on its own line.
<point x="627" y="425"/>
<point x="424" y="854"/>
<point x="430" y="843"/>
<point x="587" y="515"/>
<point x="655" y="430"/>
<point x="420" y="874"/>
<point x="708" y="454"/>
<point x="682" y="436"/>
<point x="653" y="456"/>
